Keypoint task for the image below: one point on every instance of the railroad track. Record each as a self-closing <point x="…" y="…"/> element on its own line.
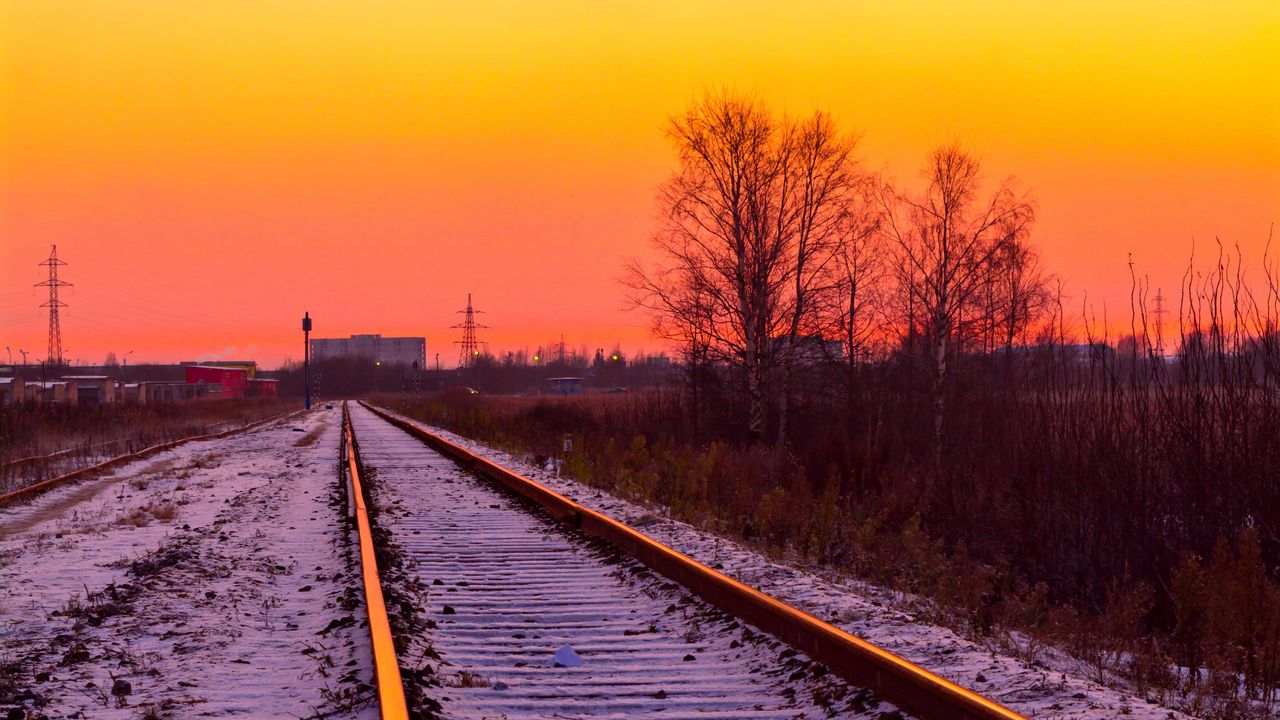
<point x="539" y="607"/>
<point x="29" y="490"/>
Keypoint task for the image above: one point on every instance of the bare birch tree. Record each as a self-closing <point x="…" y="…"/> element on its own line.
<point x="1020" y="286"/>
<point x="718" y="241"/>
<point x="853" y="312"/>
<point x="749" y="228"/>
<point x="946" y="242"/>
<point x="819" y="182"/>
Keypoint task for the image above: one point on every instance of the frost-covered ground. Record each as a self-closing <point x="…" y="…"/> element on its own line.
<point x="211" y="580"/>
<point x="1053" y="686"/>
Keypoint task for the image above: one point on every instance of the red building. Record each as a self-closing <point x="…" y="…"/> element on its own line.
<point x="261" y="387"/>
<point x="234" y="381"/>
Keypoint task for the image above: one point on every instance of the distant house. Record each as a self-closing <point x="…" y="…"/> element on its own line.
<point x="132" y="393"/>
<point x="565" y="385"/>
<point x="54" y="391"/>
<point x="94" y="389"/>
<point x="808" y="349"/>
<point x="11" y="390"/>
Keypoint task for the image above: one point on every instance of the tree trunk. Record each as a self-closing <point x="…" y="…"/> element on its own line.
<point x="939" y="394"/>
<point x="784" y="399"/>
<point x="756" y="404"/>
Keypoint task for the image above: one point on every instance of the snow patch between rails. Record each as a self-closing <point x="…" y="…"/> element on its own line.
<point x="1052" y="687"/>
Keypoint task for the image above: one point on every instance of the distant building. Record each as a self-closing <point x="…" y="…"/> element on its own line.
<point x="233" y="380"/>
<point x="565" y="385"/>
<point x="11" y="390"/>
<point x="150" y="393"/>
<point x="809" y="349"/>
<point x="94" y="389"/>
<point x="262" y="387"/>
<point x="385" y="350"/>
<point x="54" y="391"/>
<point x="249" y="366"/>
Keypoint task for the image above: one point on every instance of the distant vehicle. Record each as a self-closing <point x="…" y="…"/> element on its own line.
<point x="617" y="391"/>
<point x="328" y="406"/>
<point x="471" y="391"/>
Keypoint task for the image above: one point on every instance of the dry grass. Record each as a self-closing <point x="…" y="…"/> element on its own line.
<point x="143" y="515"/>
<point x="467" y="679"/>
<point x="95" y="430"/>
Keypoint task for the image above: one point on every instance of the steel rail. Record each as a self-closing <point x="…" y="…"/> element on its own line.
<point x="895" y="678"/>
<point x="45" y="485"/>
<point x="391" y="702"/>
<point x="32" y="459"/>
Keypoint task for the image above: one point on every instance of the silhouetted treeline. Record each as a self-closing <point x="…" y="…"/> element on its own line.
<point x="513" y="373"/>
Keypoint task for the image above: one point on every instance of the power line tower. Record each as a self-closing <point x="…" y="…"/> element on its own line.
<point x="54" y="358"/>
<point x="469" y="350"/>
<point x="1159" y="312"/>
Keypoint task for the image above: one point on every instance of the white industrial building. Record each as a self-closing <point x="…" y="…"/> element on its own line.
<point x="385" y="350"/>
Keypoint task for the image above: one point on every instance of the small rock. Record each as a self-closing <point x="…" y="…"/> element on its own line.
<point x="981" y="678"/>
<point x="689" y="658"/>
<point x="209" y="594"/>
<point x="448" y="610"/>
<point x="121" y="687"/>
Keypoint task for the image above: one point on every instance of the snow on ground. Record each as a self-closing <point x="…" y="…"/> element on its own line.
<point x="1052" y="686"/>
<point x="213" y="579"/>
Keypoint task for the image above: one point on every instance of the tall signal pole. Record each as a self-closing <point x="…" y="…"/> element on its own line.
<point x="54" y="357"/>
<point x="306" y="356"/>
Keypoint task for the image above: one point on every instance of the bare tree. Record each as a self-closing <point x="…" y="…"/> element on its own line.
<point x="750" y="225"/>
<point x="820" y="176"/>
<point x="1021" y="287"/>
<point x="853" y="312"/>
<point x="947" y="242"/>
<point x="721" y="269"/>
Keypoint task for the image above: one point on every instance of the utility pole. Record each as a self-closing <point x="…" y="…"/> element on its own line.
<point x="469" y="352"/>
<point x="54" y="356"/>
<point x="1159" y="312"/>
<point x="306" y="356"/>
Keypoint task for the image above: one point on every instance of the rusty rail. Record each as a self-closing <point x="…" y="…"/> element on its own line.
<point x="34" y="489"/>
<point x="30" y="459"/>
<point x="894" y="678"/>
<point x="391" y="702"/>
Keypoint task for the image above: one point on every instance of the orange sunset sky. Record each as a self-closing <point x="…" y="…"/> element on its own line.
<point x="211" y="169"/>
